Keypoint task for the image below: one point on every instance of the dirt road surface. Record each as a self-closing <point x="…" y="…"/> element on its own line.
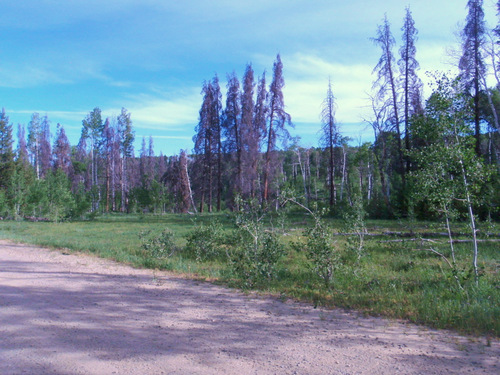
<point x="76" y="314"/>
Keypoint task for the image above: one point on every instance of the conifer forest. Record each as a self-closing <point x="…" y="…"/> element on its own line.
<point x="432" y="157"/>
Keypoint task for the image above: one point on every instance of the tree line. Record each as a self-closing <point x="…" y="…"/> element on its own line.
<point x="243" y="150"/>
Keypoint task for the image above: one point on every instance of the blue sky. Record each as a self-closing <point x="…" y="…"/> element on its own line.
<point x="64" y="58"/>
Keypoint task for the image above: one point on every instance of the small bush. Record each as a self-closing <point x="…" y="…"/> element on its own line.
<point x="205" y="242"/>
<point x="321" y="251"/>
<point x="255" y="252"/>
<point x="158" y="246"/>
<point x="255" y="259"/>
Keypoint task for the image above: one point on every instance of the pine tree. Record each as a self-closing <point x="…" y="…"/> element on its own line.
<point x="329" y="139"/>
<point x="248" y="151"/>
<point x="208" y="144"/>
<point x="471" y="64"/>
<point x="62" y="151"/>
<point x="45" y="148"/>
<point x="386" y="83"/>
<point x="22" y="147"/>
<point x="276" y="121"/>
<point x="204" y="145"/>
<point x="217" y="126"/>
<point x="233" y="143"/>
<point x="257" y="135"/>
<point x="6" y="152"/>
<point x="412" y="85"/>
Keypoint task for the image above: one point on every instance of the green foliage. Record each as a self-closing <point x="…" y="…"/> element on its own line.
<point x="255" y="257"/>
<point x="4" y="208"/>
<point x="82" y="203"/>
<point x="321" y="250"/>
<point x="354" y="217"/>
<point x="257" y="250"/>
<point x="158" y="245"/>
<point x="60" y="200"/>
<point x="205" y="242"/>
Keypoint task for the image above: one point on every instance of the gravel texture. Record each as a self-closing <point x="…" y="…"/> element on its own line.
<point x="75" y="314"/>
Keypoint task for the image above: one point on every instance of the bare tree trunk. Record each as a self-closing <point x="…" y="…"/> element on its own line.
<point x="113" y="183"/>
<point x="448" y="228"/>
<point x="306" y="195"/>
<point x="344" y="163"/>
<point x="468" y="200"/>
<point x="189" y="187"/>
<point x="267" y="165"/>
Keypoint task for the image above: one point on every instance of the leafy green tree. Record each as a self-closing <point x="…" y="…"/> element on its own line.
<point x="34" y="142"/>
<point x="126" y="138"/>
<point x="60" y="201"/>
<point x="93" y="132"/>
<point x="449" y="174"/>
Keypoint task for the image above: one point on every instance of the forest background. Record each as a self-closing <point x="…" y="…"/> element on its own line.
<point x="242" y="147"/>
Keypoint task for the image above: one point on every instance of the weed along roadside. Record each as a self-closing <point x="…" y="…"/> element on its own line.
<point x="385" y="268"/>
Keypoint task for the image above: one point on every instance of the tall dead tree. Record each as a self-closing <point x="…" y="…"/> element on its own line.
<point x="329" y="139"/>
<point x="386" y="83"/>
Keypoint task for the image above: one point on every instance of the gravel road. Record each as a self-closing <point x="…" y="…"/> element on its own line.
<point x="76" y="314"/>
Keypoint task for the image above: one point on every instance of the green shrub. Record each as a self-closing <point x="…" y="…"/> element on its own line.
<point x="158" y="246"/>
<point x="205" y="242"/>
<point x="255" y="258"/>
<point x="321" y="251"/>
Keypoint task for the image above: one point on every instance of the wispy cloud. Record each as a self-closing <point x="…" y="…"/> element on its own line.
<point x="307" y="83"/>
<point x="174" y="113"/>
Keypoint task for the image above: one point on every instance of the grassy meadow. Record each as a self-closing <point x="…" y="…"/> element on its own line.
<point x="394" y="275"/>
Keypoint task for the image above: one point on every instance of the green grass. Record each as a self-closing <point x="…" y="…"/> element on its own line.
<point x="392" y="279"/>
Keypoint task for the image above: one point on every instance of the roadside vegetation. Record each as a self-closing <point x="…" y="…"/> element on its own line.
<point x="400" y="271"/>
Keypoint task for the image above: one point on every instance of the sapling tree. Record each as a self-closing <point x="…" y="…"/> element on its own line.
<point x="257" y="252"/>
<point x="318" y="243"/>
<point x="354" y="220"/>
<point x="449" y="174"/>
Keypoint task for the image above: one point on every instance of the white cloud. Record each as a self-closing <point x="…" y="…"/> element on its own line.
<point x="306" y="78"/>
<point x="164" y="114"/>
